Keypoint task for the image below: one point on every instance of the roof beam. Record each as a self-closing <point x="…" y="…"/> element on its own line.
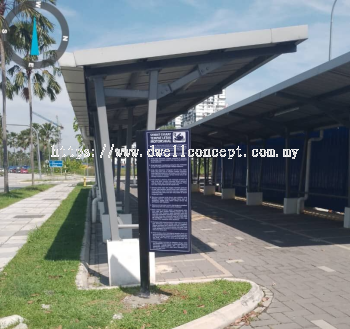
<point x="231" y="79"/>
<point x="210" y="141"/>
<point x="323" y="106"/>
<point x="191" y="60"/>
<point x="200" y="71"/>
<point x="274" y="126"/>
<point x="126" y="93"/>
<point x="229" y="132"/>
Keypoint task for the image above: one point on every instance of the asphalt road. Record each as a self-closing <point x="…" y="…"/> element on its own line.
<point x="16" y="181"/>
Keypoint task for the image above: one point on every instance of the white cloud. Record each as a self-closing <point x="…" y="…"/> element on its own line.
<point x="68" y="12"/>
<point x="18" y="113"/>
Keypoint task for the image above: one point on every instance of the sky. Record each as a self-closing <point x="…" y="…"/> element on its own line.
<point x="106" y="23"/>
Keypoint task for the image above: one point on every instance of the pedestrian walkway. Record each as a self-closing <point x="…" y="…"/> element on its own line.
<point x="17" y="220"/>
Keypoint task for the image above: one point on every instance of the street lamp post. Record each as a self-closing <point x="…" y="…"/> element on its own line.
<point x="37" y="140"/>
<point x="331" y="31"/>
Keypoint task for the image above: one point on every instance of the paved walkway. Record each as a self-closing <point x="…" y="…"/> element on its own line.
<point x="304" y="260"/>
<point x="17" y="220"/>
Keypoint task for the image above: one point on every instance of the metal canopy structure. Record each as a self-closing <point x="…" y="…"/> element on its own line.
<point x="119" y="90"/>
<point x="189" y="71"/>
<point x="315" y="99"/>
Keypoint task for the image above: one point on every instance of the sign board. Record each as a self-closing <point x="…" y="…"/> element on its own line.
<point x="167" y="190"/>
<point x="56" y="164"/>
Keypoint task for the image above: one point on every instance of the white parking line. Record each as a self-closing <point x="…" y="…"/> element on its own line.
<point x="323" y="324"/>
<point x="326" y="269"/>
<point x="230" y="261"/>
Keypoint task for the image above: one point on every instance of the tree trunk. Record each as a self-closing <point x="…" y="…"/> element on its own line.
<point x="31" y="126"/>
<point x="4" y="132"/>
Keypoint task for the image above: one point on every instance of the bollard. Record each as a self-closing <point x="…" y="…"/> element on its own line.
<point x="84" y="181"/>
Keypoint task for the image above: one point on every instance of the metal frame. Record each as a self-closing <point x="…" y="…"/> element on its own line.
<point x="111" y="209"/>
<point x="191" y="60"/>
<point x="128" y="165"/>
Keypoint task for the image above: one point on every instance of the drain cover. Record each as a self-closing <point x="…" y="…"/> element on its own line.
<point x="29" y="216"/>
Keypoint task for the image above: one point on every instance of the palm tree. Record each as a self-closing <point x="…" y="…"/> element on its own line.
<point x="26" y="10"/>
<point x="47" y="134"/>
<point x="12" y="141"/>
<point x="42" y="81"/>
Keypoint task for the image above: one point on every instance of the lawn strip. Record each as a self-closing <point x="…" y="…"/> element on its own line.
<point x="21" y="194"/>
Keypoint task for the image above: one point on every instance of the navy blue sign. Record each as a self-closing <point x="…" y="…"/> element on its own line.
<point x="168" y="187"/>
<point x="56" y="164"/>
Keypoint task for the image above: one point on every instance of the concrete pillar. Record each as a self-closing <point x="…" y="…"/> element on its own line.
<point x="228" y="193"/>
<point x="347" y="218"/>
<point x="254" y="198"/>
<point x="108" y="175"/>
<point x="195" y="188"/>
<point x="209" y="190"/>
<point x="290" y="206"/>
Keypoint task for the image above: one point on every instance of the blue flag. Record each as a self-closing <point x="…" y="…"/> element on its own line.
<point x="35" y="47"/>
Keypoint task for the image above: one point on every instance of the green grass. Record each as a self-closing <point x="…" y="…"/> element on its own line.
<point x="20" y="194"/>
<point x="44" y="270"/>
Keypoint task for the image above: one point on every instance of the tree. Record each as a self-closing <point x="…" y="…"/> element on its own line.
<point x="29" y="81"/>
<point x="79" y="137"/>
<point x="12" y="141"/>
<point x="5" y="54"/>
<point x="23" y="139"/>
<point x="48" y="137"/>
<point x="170" y="127"/>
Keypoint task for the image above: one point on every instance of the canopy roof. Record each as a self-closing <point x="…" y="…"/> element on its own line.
<point x="315" y="99"/>
<point x="220" y="60"/>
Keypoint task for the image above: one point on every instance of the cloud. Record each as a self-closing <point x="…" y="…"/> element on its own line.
<point x="68" y="12"/>
<point x="218" y="21"/>
<point x="18" y="113"/>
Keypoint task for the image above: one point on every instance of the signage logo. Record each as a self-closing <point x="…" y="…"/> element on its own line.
<point x="179" y="137"/>
<point x="35" y="60"/>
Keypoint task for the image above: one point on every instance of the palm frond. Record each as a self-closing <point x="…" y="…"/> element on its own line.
<point x="25" y="94"/>
<point x="39" y="90"/>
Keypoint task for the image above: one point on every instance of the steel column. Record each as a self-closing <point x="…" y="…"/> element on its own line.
<point x="195" y="166"/>
<point x="222" y="174"/>
<point x="287" y="169"/>
<point x="152" y="100"/>
<point x="213" y="171"/>
<point x="349" y="170"/>
<point x="108" y="175"/>
<point x="233" y="171"/>
<point x="119" y="161"/>
<point x="205" y="172"/>
<point x="199" y="170"/>
<point x="97" y="172"/>
<point x="303" y="164"/>
<point x="248" y="167"/>
<point x="134" y="170"/>
<point x="261" y="168"/>
<point x="99" y="160"/>
<point x="128" y="164"/>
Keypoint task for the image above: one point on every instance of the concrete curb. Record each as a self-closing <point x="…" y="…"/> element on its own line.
<point x="254" y="315"/>
<point x="228" y="314"/>
<point x="11" y="321"/>
<point x="81" y="279"/>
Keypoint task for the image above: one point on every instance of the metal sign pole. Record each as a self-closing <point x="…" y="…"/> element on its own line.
<point x="143" y="217"/>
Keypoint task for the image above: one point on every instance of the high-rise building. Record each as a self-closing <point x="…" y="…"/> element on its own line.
<point x="177" y="122"/>
<point x="211" y="105"/>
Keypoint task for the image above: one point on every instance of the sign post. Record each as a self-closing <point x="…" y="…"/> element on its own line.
<point x="164" y="178"/>
<point x="56" y="163"/>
